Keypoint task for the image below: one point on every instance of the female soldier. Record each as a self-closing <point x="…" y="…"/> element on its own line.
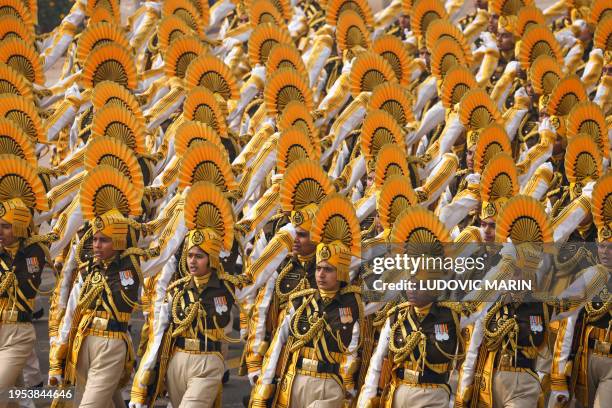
<point x="185" y="347"/>
<point x="22" y="259"/>
<point x="93" y="349"/>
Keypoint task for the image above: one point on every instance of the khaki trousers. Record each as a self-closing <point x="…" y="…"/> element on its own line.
<point x="311" y="392"/>
<point x="17" y="340"/>
<point x="600" y="381"/>
<point x="100" y="366"/>
<point x="515" y="389"/>
<point x="408" y="396"/>
<point x="194" y="379"/>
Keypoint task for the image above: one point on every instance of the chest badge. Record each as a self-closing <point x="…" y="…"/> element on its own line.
<point x="441" y="331"/>
<point x="127" y="278"/>
<point x="346" y="316"/>
<point x="32" y="264"/>
<point x="220" y="304"/>
<point x="535" y="322"/>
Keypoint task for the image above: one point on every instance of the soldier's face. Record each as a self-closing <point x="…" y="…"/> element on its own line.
<point x="6" y="233"/>
<point x="326" y="276"/>
<point x="488" y="228"/>
<point x="197" y="261"/>
<point x="103" y="247"/>
<point x="505" y="40"/>
<point x="604" y="252"/>
<point x="370" y="179"/>
<point x="302" y="245"/>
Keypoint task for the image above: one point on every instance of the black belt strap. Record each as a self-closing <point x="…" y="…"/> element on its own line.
<point x="426" y="377"/>
<point x="204" y="345"/>
<point x="322" y="367"/>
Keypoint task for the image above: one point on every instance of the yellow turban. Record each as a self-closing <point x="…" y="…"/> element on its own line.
<point x="303" y="217"/>
<point x="208" y="241"/>
<point x="115" y="226"/>
<point x="338" y="255"/>
<point x="16" y="213"/>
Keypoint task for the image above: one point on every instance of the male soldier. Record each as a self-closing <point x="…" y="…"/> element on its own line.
<point x="312" y="360"/>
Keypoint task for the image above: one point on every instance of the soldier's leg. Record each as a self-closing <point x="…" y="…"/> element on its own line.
<point x="311" y="392"/>
<point x="176" y="377"/>
<point x="515" y="390"/>
<point x="407" y="396"/>
<point x="16" y="343"/>
<point x="105" y="371"/>
<point x="601" y="368"/>
<point x="205" y="372"/>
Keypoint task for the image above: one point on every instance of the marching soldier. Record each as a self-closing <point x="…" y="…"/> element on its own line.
<point x="420" y="337"/>
<point x="93" y="350"/>
<point x="504" y="358"/>
<point x="184" y="353"/>
<point x="581" y="358"/>
<point x="23" y="256"/>
<point x="312" y="360"/>
<point x="303" y="186"/>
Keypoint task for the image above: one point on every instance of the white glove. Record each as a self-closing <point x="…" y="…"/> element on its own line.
<point x="488" y="40"/>
<point x="558" y="399"/>
<point x="512" y="67"/>
<point x="253" y="377"/>
<point x="546" y="124"/>
<point x="55" y="380"/>
<point x="136" y="405"/>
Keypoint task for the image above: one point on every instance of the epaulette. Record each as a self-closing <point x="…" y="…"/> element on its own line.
<point x="178" y="282"/>
<point x="41" y="239"/>
<point x="145" y="253"/>
<point x="350" y="289"/>
<point x="395" y="308"/>
<point x="454" y="306"/>
<point x="238" y="281"/>
<point x="302" y="293"/>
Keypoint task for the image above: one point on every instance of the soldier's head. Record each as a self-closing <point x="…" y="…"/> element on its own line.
<point x="370" y="179"/>
<point x="197" y="261"/>
<point x="15" y="218"/>
<point x="404" y="22"/>
<point x="6" y="233"/>
<point x="420" y="297"/>
<point x="302" y="244"/>
<point x="469" y="157"/>
<point x="505" y="38"/>
<point x="604" y="253"/>
<point x="492" y="26"/>
<point x="487" y="226"/>
<point x="103" y="247"/>
<point x="203" y="248"/>
<point x="326" y="276"/>
<point x="302" y="220"/>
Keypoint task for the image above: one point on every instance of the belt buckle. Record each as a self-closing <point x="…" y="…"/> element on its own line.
<point x="99" y="323"/>
<point x="505" y="361"/>
<point x="602" y="347"/>
<point x="192" y="344"/>
<point x="10" y="316"/>
<point x="310" y="365"/>
<point x="411" y="376"/>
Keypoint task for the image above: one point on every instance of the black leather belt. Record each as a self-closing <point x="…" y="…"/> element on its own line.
<point x="321" y="366"/>
<point x="109" y="325"/>
<point x="15" y="316"/>
<point x="199" y="345"/>
<point x="601" y="347"/>
<point x="425" y="377"/>
<point x="519" y="362"/>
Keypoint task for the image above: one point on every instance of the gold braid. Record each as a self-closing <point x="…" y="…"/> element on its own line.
<point x="493" y="339"/>
<point x="284" y="296"/>
<point x="412" y="340"/>
<point x="315" y="326"/>
<point x="192" y="311"/>
<point x="595" y="313"/>
<point x="8" y="281"/>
